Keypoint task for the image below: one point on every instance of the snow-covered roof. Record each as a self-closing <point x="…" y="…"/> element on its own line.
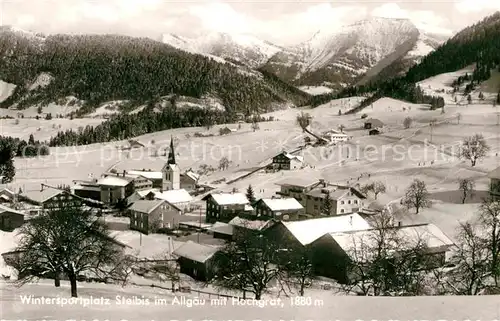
<point x="41" y="196"/>
<point x="282" y="204"/>
<point x="428" y="235"/>
<point x="144" y="192"/>
<point x="229" y="198"/>
<point x="256" y="225"/>
<point x="222" y="228"/>
<point x="196" y="252"/>
<point x="174" y="196"/>
<point x="192" y="175"/>
<point x="298" y="181"/>
<point x="146" y="206"/>
<point x="290" y="156"/>
<point x="4" y="209"/>
<point x="147" y="174"/>
<point x="308" y="231"/>
<point x="494" y="173"/>
<point x="113" y="181"/>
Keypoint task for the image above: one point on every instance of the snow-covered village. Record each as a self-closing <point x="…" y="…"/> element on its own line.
<point x="353" y="175"/>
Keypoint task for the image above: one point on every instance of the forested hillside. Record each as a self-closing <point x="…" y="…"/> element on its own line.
<point x="100" y="68"/>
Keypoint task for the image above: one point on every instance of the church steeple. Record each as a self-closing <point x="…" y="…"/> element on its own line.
<point x="171" y="153"/>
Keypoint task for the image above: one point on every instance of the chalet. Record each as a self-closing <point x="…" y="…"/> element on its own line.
<point x="10" y="219"/>
<point x="494" y="177"/>
<point x="335" y="137"/>
<point x="147" y="216"/>
<point x="224" y="207"/>
<point x="372" y="123"/>
<point x="221" y="230"/>
<point x="115" y="187"/>
<point x="374" y="132"/>
<point x="46" y="197"/>
<point x="197" y="260"/>
<point x="147" y="194"/>
<point x="178" y="197"/>
<point x="189" y="180"/>
<point x="343" y="199"/>
<point x="332" y="252"/>
<point x="279" y="208"/>
<point x="243" y="226"/>
<point x="287" y="161"/>
<point x="303" y="233"/>
<point x="87" y="189"/>
<point x="7" y="196"/>
<point x="296" y="187"/>
<point x="135" y="144"/>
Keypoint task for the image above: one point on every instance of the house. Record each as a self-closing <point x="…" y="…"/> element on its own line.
<point x="147" y="216"/>
<point x="115" y="187"/>
<point x="242" y="226"/>
<point x="10" y="219"/>
<point x="287" y="161"/>
<point x="171" y="173"/>
<point x="179" y="197"/>
<point x="332" y="252"/>
<point x="372" y="123"/>
<point x="494" y="188"/>
<point x="222" y="231"/>
<point x="135" y="144"/>
<point x="155" y="178"/>
<point x="335" y="137"/>
<point x="287" y="209"/>
<point x="6" y="195"/>
<point x="87" y="189"/>
<point x="147" y="194"/>
<point x="224" y="207"/>
<point x="296" y="187"/>
<point x="189" y="180"/>
<point x="374" y="132"/>
<point x="303" y="233"/>
<point x="46" y="197"/>
<point x="197" y="260"/>
<point x="343" y="199"/>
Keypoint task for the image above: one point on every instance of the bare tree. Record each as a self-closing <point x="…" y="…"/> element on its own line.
<point x="255" y="125"/>
<point x="417" y="196"/>
<point x="466" y="187"/>
<point x="224" y="163"/>
<point x="341" y="128"/>
<point x="67" y="239"/>
<point x="304" y="120"/>
<point x="376" y="188"/>
<point x="250" y="263"/>
<point x="474" y="148"/>
<point x="489" y="222"/>
<point x="407" y="122"/>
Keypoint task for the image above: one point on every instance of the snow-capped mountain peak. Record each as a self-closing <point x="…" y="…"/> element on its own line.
<point x="246" y="49"/>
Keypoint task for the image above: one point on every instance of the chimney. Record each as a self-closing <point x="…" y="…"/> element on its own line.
<point x="400" y="224"/>
<point x="124" y="172"/>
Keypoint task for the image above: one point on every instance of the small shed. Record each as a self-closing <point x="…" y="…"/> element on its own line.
<point x="222" y="231"/>
<point x="196" y="260"/>
<point x="372" y="123"/>
<point x="10" y="219"/>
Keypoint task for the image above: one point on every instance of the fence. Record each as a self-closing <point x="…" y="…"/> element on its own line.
<point x="211" y="295"/>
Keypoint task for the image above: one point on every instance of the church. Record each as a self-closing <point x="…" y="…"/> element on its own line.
<point x="172" y="179"/>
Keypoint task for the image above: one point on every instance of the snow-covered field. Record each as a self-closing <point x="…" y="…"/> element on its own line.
<point x="109" y="302"/>
<point x="316" y="90"/>
<point x="6" y="89"/>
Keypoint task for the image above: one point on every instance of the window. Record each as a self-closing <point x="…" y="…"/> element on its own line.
<point x="349" y="202"/>
<point x="342" y="202"/>
<point x="342" y="211"/>
<point x="355" y="201"/>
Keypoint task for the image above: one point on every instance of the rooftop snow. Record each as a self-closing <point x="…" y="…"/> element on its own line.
<point x="113" y="181"/>
<point x="428" y="234"/>
<point x="147" y="174"/>
<point x="175" y="196"/>
<point x="222" y="228"/>
<point x="282" y="204"/>
<point x="143" y="193"/>
<point x="310" y="230"/>
<point x="230" y="198"/>
<point x="249" y="224"/>
<point x="41" y="196"/>
<point x="4" y="209"/>
<point x="299" y="181"/>
<point x="196" y="252"/>
<point x="146" y="206"/>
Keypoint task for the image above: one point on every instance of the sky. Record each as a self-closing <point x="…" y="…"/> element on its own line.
<point x="284" y="22"/>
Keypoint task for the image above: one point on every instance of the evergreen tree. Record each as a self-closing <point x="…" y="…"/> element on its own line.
<point x="498" y="98"/>
<point x="481" y="95"/>
<point x="7" y="169"/>
<point x="469" y="99"/>
<point x="326" y="206"/>
<point x="31" y="140"/>
<point x="250" y="195"/>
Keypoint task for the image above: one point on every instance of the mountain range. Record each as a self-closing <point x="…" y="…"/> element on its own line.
<point x="355" y="53"/>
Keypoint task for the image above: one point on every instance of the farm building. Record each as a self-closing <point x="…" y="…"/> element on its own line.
<point x="296" y="188"/>
<point x="223" y="207"/>
<point x="287" y="209"/>
<point x="334" y="136"/>
<point x="332" y="252"/>
<point x="6" y="195"/>
<point x="374" y="132"/>
<point x="242" y="226"/>
<point x="87" y="189"/>
<point x="10" y="219"/>
<point x="155" y="178"/>
<point x="147" y="216"/>
<point x="287" y="161"/>
<point x="196" y="260"/>
<point x="372" y="123"/>
<point x="147" y="194"/>
<point x="36" y="200"/>
<point x="115" y="187"/>
<point x="303" y="233"/>
<point x="221" y="230"/>
<point x="189" y="180"/>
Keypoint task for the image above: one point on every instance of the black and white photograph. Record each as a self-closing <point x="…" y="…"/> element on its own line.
<point x="250" y="160"/>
